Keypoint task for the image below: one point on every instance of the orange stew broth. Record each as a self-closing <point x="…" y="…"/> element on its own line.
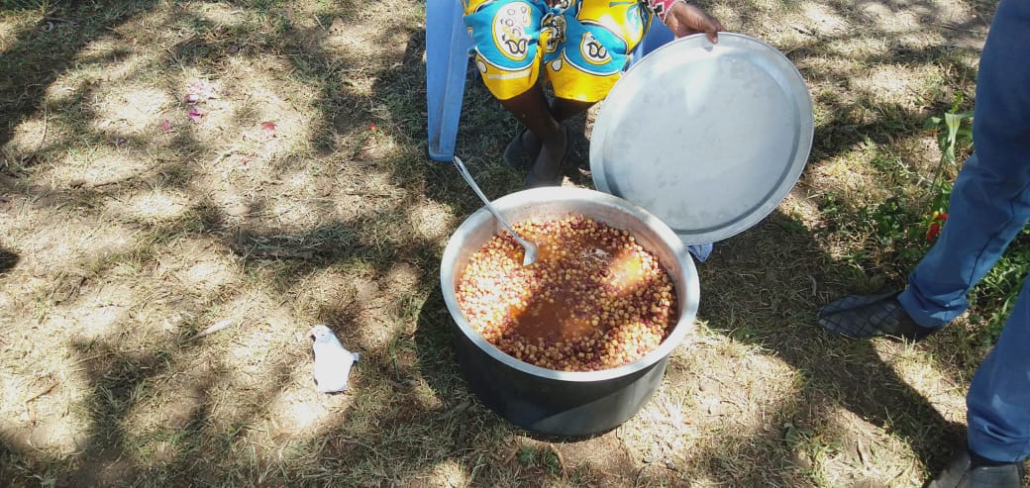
<point x="594" y="299"/>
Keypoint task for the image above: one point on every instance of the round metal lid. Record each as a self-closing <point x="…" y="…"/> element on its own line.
<point x="709" y="138"/>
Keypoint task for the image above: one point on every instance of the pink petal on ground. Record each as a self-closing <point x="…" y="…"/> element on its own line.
<point x="196" y="113"/>
<point x="199" y="91"/>
<point x="372" y="127"/>
<point x="269" y="128"/>
<point x="166" y="125"/>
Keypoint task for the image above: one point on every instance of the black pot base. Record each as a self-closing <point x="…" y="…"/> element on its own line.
<point x="555" y="407"/>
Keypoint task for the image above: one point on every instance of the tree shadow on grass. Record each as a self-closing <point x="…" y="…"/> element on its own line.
<point x="118" y="380"/>
<point x="8" y="260"/>
<point x="406" y="405"/>
<point x="435" y="336"/>
<point x="765" y="287"/>
<point x="38" y="57"/>
<point x="122" y="382"/>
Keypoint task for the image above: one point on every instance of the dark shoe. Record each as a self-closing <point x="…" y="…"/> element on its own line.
<point x="870" y="316"/>
<point x="515" y="155"/>
<point x="533" y="180"/>
<point x="970" y="471"/>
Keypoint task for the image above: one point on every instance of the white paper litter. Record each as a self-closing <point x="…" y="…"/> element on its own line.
<point x="332" y="361"/>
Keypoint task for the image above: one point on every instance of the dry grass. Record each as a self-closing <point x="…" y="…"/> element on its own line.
<point x="121" y="238"/>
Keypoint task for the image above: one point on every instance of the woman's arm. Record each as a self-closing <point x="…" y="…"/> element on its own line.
<point x="685" y="19"/>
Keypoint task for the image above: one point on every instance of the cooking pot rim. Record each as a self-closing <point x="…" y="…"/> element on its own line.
<point x="557" y="194"/>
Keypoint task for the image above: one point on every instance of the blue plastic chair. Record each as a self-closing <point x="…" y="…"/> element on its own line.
<point x="447" y="56"/>
<point x="447" y="45"/>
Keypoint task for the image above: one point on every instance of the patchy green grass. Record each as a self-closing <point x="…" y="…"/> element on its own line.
<point x="302" y="195"/>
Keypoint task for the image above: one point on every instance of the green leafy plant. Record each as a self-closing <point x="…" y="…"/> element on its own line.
<point x="997" y="292"/>
<point x="954" y="130"/>
<point x="901" y="227"/>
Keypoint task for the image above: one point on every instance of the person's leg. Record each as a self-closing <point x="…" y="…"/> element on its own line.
<point x="565" y="109"/>
<point x="990" y="201"/>
<point x="584" y="63"/>
<point x="990" y="204"/>
<point x="545" y="136"/>
<point x="998" y="416"/>
<point x="507" y="37"/>
<point x="999" y="398"/>
<point x="562" y="110"/>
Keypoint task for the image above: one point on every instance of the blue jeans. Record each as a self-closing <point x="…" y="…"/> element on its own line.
<point x="990" y="205"/>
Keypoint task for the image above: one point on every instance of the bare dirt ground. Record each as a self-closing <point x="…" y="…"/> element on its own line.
<point x="298" y="193"/>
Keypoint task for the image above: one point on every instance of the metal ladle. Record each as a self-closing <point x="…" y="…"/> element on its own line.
<point x="530" y="248"/>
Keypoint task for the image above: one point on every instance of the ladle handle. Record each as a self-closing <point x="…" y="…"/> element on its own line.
<point x="468" y="179"/>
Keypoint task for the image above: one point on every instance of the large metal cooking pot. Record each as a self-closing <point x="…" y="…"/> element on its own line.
<point x="558" y="402"/>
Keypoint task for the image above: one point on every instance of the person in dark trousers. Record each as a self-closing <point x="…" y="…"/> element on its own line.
<point x="990" y="205"/>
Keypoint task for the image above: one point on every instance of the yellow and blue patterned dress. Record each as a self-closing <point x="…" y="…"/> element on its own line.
<point x="582" y="45"/>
